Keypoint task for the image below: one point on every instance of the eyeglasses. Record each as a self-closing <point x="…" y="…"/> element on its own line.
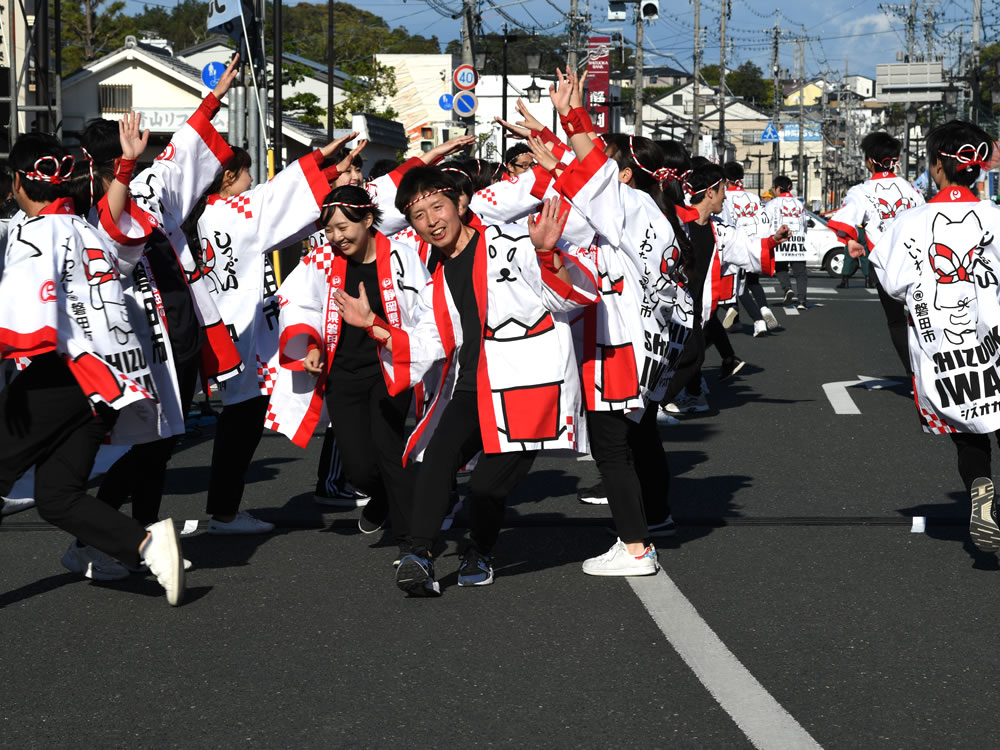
<point x="523" y="165"/>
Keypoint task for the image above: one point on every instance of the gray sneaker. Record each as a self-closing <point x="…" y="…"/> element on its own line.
<point x="93" y="563"/>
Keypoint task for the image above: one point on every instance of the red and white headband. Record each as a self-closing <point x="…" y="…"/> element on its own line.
<point x="62" y="170"/>
<point x="970" y="156"/>
<point x="428" y="194"/>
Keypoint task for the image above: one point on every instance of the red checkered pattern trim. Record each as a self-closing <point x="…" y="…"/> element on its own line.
<point x="934" y="424"/>
<point x="266" y="377"/>
<point x="242" y="205"/>
<point x="323" y="258"/>
<point x="405" y="234"/>
<point x="21" y="363"/>
<point x="271" y="420"/>
<point x="489" y="196"/>
<point x="133" y="386"/>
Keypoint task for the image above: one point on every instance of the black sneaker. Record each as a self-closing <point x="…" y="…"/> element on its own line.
<point x="345" y="497"/>
<point x="788" y="297"/>
<point x="730" y="366"/>
<point x="983" y="526"/>
<point x="476" y="569"/>
<point x="663" y="528"/>
<point x="595" y="495"/>
<point x="415" y="576"/>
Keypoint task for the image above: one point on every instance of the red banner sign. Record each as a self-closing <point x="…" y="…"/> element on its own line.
<point x="599" y="82"/>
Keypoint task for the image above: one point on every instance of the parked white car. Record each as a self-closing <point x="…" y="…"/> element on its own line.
<point x="824" y="251"/>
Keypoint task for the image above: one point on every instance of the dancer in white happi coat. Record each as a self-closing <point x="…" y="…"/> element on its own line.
<point x="63" y="307"/>
<point x="942" y="260"/>
<point x="324" y="359"/>
<point x="784" y="208"/>
<point x="869" y="210"/>
<point x="745" y="210"/>
<point x="238" y="226"/>
<point x="487" y="312"/>
<point x="183" y="335"/>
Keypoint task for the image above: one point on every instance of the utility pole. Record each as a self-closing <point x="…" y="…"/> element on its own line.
<point x="724" y="13"/>
<point x="330" y="70"/>
<point x="639" y="73"/>
<point x="776" y="78"/>
<point x="822" y="144"/>
<point x="468" y="17"/>
<point x="911" y="32"/>
<point x="574" y="40"/>
<point x="801" y="54"/>
<point x="696" y="119"/>
<point x="977" y="32"/>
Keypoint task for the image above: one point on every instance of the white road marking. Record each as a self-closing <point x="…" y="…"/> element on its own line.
<point x="919" y="525"/>
<point x="872" y="291"/>
<point x="790" y="311"/>
<point x="841" y="400"/>
<point x="758" y="715"/>
<point x="190" y="526"/>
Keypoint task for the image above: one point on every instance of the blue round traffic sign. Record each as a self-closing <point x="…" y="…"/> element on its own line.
<point x="212" y="73"/>
<point x="445" y="102"/>
<point x="465" y="103"/>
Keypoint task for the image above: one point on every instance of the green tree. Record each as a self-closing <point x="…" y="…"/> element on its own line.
<point x="182" y="25"/>
<point x="92" y="28"/>
<point x="748" y="82"/>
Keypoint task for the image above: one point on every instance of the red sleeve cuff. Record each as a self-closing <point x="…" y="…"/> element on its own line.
<point x="210" y="105"/>
<point x="201" y="121"/>
<point x="844" y="231"/>
<point x="579" y="173"/>
<point x="139" y="216"/>
<point x="397" y="174"/>
<point x="767" y="246"/>
<point x="313" y="342"/>
<point x="317" y="182"/>
<point x="543" y="178"/>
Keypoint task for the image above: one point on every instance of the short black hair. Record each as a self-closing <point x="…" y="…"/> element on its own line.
<point x="515" y="151"/>
<point x="420" y="180"/>
<point x="27" y="150"/>
<point x="381" y="168"/>
<point x="783" y="183"/>
<point x="482" y="173"/>
<point x="881" y="148"/>
<point x="457" y="170"/>
<point x="698" y="161"/>
<point x="355" y="196"/>
<point x="948" y="139"/>
<point x="703" y="177"/>
<point x="340" y="154"/>
<point x="734" y="171"/>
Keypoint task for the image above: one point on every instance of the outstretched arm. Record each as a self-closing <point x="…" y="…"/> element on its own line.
<point x="133" y="142"/>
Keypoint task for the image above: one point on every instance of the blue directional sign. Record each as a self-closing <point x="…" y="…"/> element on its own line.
<point x="211" y="74"/>
<point x="465" y="103"/>
<point x="446" y="102"/>
<point x="770" y="134"/>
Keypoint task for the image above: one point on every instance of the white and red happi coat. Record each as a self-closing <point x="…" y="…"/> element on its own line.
<point x="527" y="381"/>
<point x="632" y="339"/>
<point x="942" y="260"/>
<point x="61" y="293"/>
<point x="874" y="204"/>
<point x="746" y="211"/>
<point x="309" y="318"/>
<point x="163" y="196"/>
<point x="236" y="234"/>
<point x="786" y="209"/>
<point x="733" y="250"/>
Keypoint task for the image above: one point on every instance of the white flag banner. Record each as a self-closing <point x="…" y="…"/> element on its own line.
<point x="221" y="12"/>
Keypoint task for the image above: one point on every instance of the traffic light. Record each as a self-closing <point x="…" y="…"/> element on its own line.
<point x="649" y="10"/>
<point x="616" y="11"/>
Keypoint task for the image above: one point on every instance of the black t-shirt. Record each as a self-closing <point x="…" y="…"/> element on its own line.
<point x="357" y="353"/>
<point x="183" y="328"/>
<point x="458" y="275"/>
<point x="703" y="241"/>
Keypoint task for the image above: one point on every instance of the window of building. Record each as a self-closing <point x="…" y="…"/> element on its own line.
<point x="678" y="100"/>
<point x="114" y="98"/>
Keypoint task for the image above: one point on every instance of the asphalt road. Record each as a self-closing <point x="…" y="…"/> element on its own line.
<point x="834" y="624"/>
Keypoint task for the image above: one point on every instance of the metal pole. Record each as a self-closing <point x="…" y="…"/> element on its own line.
<point x="776" y="79"/>
<point x="278" y="62"/>
<point x="57" y="15"/>
<point x="574" y="40"/>
<point x="802" y="112"/>
<point x="468" y="11"/>
<point x="696" y="118"/>
<point x="722" y="80"/>
<point x="503" y="137"/>
<point x="639" y="29"/>
<point x="330" y="70"/>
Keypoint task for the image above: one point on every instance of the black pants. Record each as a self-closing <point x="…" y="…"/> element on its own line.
<point x="687" y="375"/>
<point x="237" y="435"/>
<point x="898" y="321"/>
<point x="753" y="297"/>
<point x="139" y="475"/>
<point x="651" y="466"/>
<point x="456" y="440"/>
<point x="716" y="334"/>
<point x="798" y="269"/>
<point x="609" y="433"/>
<point x="47" y="422"/>
<point x="330" y="469"/>
<point x="973" y="455"/>
<point x="368" y="426"/>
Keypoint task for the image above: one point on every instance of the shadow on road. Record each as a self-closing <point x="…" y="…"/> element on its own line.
<point x="949" y="522"/>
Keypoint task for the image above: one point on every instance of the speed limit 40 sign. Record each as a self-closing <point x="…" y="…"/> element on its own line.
<point x="465" y="77"/>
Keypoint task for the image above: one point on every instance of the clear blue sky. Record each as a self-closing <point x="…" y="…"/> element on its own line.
<point x="855" y="35"/>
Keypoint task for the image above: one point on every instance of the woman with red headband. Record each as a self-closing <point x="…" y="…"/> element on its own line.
<point x="325" y="357"/>
<point x="942" y="260"/>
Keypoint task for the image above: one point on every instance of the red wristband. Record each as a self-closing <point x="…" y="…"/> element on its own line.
<point x="583" y="117"/>
<point x="571" y="123"/>
<point x="124" y="170"/>
<point x="377" y="321"/>
<point x="546" y="258"/>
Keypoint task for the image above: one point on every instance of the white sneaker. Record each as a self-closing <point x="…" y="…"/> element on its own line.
<point x="162" y="553"/>
<point x="662" y="417"/>
<point x="685" y="403"/>
<point x="10" y="505"/>
<point x="618" y="562"/>
<point x="730" y="317"/>
<point x="768" y="316"/>
<point x="244" y="523"/>
<point x="93" y="563"/>
<point x="759" y="328"/>
<point x="142" y="568"/>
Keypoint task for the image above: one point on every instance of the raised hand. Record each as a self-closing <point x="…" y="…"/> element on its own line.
<point x="346" y="162"/>
<point x="576" y="98"/>
<point x="356" y="311"/>
<point x="561" y="96"/>
<point x="227" y="79"/>
<point x="547" y="225"/>
<point x="133" y="140"/>
<point x="333" y="146"/>
<point x="448" y="148"/>
<point x="516" y="131"/>
<point x="528" y="120"/>
<point x="543" y="155"/>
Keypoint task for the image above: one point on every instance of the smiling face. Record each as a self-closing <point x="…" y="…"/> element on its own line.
<point x="351" y="238"/>
<point x="350" y="176"/>
<point x="436" y="219"/>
